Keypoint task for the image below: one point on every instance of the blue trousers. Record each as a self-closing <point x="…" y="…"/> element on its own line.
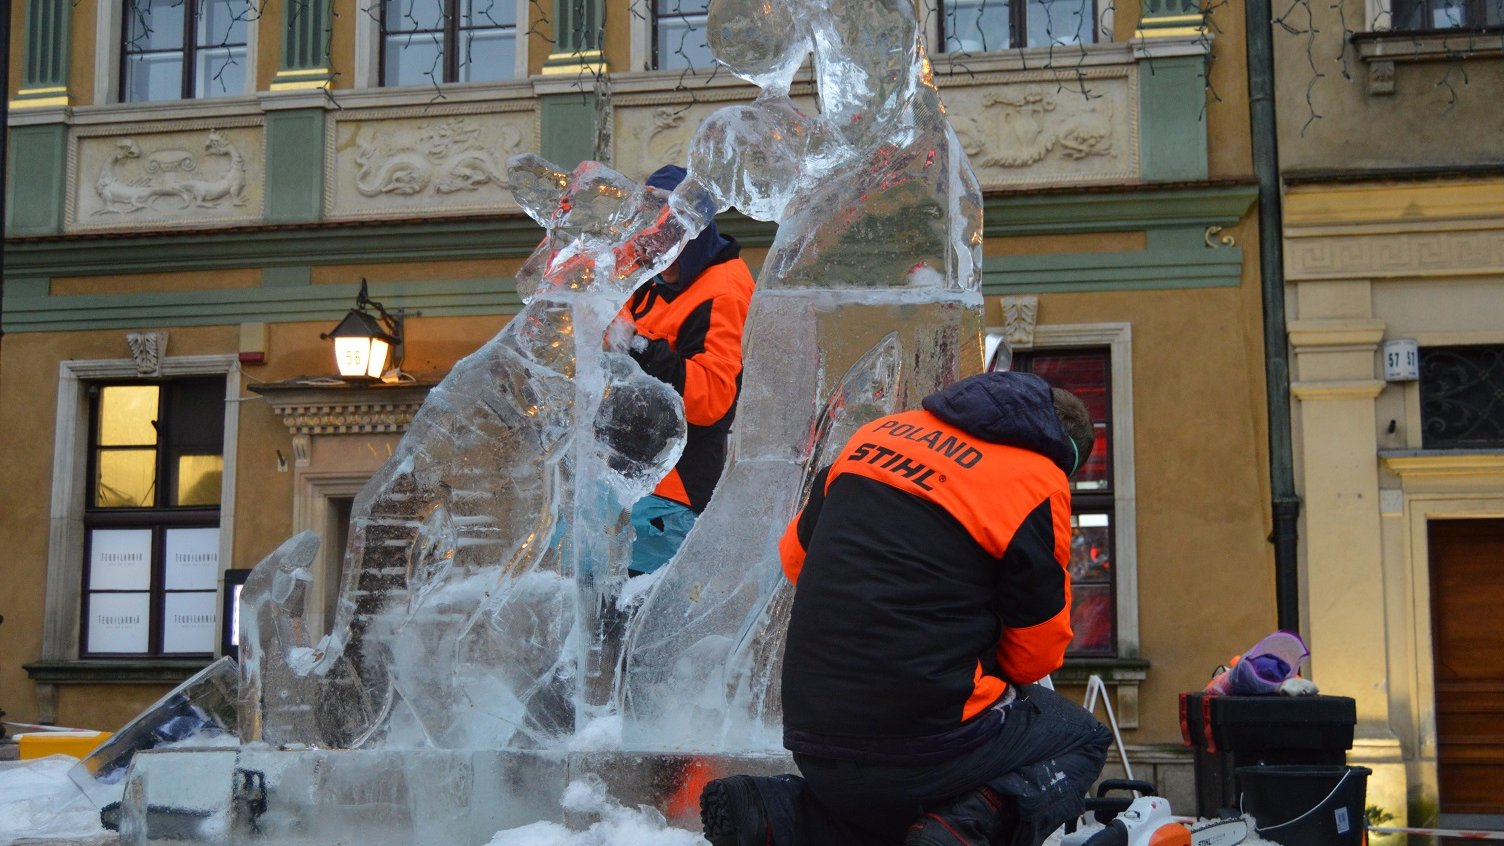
<point x="1048" y="754"/>
<point x="659" y="526"/>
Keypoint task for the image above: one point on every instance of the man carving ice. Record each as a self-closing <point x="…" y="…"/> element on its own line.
<point x="688" y="325"/>
<point x="932" y="593"/>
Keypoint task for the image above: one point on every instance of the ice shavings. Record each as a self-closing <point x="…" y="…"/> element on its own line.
<point x="37" y="799"/>
<point x="613" y="825"/>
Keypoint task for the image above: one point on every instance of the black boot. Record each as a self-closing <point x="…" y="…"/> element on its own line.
<point x="732" y="813"/>
<point x="972" y="820"/>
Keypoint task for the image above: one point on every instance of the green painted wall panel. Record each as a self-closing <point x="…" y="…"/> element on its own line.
<point x="1172" y="118"/>
<point x="36" y="180"/>
<point x="294" y="165"/>
<point x="566" y="125"/>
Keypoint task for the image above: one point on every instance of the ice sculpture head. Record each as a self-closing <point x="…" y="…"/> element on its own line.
<point x="585" y="214"/>
<point x="869" y="65"/>
<point x="761" y="41"/>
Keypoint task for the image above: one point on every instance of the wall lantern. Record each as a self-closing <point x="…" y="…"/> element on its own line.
<point x="363" y="342"/>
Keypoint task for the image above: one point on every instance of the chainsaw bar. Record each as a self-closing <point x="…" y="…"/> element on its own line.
<point x="1219" y="833"/>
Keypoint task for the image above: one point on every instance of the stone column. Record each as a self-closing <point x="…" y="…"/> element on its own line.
<point x="305" y="46"/>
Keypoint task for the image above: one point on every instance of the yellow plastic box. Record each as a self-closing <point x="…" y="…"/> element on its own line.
<point x="40" y="744"/>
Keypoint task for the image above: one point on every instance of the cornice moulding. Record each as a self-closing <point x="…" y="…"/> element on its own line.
<point x="1336" y="333"/>
<point x="1432" y="465"/>
<point x="343" y="410"/>
<point x="1354" y="389"/>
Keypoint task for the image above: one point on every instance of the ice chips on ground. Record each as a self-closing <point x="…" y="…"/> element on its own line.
<point x="614" y="824"/>
<point x="38" y="800"/>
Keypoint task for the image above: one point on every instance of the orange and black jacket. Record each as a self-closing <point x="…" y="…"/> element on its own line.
<point x="930" y="572"/>
<point x="694" y="334"/>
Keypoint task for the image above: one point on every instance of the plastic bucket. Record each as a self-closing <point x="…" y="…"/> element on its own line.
<point x="1306" y="805"/>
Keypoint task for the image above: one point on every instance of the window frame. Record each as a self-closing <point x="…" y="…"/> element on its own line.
<point x="1471" y="24"/>
<point x="1100" y="30"/>
<point x="157" y="518"/>
<point x="1117" y="338"/>
<point x="1092" y="501"/>
<point x="62" y="638"/>
<point x="452" y="30"/>
<point x="654" y="32"/>
<point x="109" y="54"/>
<point x="190" y="51"/>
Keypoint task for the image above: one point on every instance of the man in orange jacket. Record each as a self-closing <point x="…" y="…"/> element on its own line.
<point x="688" y="323"/>
<point x="932" y="593"/>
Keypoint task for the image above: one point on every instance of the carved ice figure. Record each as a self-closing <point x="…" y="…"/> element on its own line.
<point x="485" y="559"/>
<point x="467" y="592"/>
<point x="879" y="229"/>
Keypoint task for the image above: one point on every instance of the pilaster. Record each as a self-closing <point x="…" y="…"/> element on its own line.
<point x="44" y="80"/>
<point x="305" y="47"/>
<point x="578" y="26"/>
<point x="1335" y="390"/>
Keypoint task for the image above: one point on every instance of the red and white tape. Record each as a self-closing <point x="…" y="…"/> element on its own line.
<point x="1461" y="834"/>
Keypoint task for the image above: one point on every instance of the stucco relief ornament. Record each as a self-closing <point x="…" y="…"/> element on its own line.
<point x="448" y="156"/>
<point x="131" y="181"/>
<point x="667" y="138"/>
<point x="1019" y="316"/>
<point x="1033" y="123"/>
<point x="147" y="349"/>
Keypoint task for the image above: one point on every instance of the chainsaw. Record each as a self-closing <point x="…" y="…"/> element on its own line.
<point x="1147" y="821"/>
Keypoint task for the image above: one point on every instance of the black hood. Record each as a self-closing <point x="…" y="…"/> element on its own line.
<point x="708" y="248"/>
<point x="1013" y="409"/>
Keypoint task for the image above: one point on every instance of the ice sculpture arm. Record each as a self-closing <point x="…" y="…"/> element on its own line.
<point x="796" y="537"/>
<point x="1034" y="595"/>
<point x="704" y="359"/>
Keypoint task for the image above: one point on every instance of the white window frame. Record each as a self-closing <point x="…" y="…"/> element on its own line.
<point x="1118" y="338"/>
<point x="65" y="543"/>
<point x="108" y="26"/>
<point x="368" y="44"/>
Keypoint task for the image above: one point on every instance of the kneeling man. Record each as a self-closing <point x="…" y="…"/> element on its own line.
<point x="931" y="594"/>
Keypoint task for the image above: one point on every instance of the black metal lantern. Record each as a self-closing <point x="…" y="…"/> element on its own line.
<point x="363" y="342"/>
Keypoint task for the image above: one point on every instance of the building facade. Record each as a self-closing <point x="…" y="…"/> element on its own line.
<point x="195" y="193"/>
<point x="1394" y="266"/>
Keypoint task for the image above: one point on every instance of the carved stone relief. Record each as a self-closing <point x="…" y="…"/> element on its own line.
<point x="147" y="349"/>
<point x="1019" y="316"/>
<point x="1029" y="127"/>
<point x="133" y="177"/>
<point x="423" y="162"/>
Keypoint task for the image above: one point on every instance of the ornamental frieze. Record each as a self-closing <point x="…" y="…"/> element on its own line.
<point x="402" y="162"/>
<point x="133" y="177"/>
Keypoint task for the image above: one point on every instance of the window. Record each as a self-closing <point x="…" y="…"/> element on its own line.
<point x="182" y="49"/>
<point x="151" y="518"/>
<point x="1087" y="374"/>
<point x="679" y="35"/>
<point x="1424" y="15"/>
<point x="1462" y="397"/>
<point x="425" y="42"/>
<point x="977" y="26"/>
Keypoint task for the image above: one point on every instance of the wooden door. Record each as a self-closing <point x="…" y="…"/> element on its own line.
<point x="1467" y="626"/>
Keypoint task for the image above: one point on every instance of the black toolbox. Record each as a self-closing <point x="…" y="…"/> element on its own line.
<point x="1228" y="732"/>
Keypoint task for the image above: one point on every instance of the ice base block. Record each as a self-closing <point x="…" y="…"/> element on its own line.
<point x="314" y="797"/>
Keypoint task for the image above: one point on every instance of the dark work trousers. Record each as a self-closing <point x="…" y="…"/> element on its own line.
<point x="1047" y="755"/>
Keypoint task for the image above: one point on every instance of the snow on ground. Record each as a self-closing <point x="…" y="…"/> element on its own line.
<point x="38" y="800"/>
<point x="615" y="825"/>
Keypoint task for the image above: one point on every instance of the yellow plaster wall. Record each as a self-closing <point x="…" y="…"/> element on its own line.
<point x="81" y="56"/>
<point x="29" y="395"/>
<point x="1229" y="151"/>
<point x="269" y="43"/>
<point x="415" y="271"/>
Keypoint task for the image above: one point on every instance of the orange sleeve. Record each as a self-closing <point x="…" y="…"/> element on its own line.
<point x="1026" y="654"/>
<point x="791" y="552"/>
<point x="710" y="376"/>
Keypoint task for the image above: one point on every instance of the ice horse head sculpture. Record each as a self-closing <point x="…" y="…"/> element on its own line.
<point x="485" y="559"/>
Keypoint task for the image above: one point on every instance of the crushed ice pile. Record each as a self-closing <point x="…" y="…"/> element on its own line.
<point x="37" y="799"/>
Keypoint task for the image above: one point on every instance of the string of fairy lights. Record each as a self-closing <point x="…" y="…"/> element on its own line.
<point x="436" y="42"/>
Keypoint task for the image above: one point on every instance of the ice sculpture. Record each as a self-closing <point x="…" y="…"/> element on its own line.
<point x="480" y="607"/>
